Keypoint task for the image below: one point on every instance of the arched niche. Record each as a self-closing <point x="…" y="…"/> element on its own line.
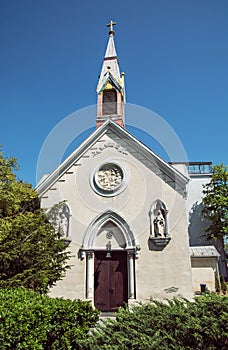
<point x="159" y="220"/>
<point x="64" y="223"/>
<point x="59" y="217"/>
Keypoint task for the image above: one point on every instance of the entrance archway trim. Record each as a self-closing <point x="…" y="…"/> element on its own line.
<point x="100" y="221"/>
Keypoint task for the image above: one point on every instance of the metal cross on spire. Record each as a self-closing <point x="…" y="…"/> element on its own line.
<point x="111" y="24"/>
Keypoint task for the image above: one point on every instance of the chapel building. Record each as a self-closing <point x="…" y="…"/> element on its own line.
<point x="126" y="212"/>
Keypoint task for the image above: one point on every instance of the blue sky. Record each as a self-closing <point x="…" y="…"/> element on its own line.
<point x="174" y="54"/>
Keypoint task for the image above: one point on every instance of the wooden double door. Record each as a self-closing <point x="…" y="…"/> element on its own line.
<point x="110" y="280"/>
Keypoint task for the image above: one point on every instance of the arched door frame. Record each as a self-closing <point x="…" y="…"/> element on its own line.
<point x="88" y="248"/>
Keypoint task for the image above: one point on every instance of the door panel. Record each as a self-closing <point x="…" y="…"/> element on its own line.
<point x="110" y="280"/>
<point x="100" y="283"/>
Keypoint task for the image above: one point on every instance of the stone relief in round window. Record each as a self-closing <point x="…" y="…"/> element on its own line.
<point x="109" y="179"/>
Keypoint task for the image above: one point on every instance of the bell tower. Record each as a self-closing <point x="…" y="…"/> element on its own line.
<point x="110" y="87"/>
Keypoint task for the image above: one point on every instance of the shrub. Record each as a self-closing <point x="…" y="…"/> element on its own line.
<point x="30" y="321"/>
<point x="202" y="324"/>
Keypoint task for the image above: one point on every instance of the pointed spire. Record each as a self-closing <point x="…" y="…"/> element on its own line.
<point x="110" y="64"/>
<point x="110" y="87"/>
<point x="111" y="50"/>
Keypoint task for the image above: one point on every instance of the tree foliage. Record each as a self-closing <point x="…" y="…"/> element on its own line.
<point x="31" y="252"/>
<point x="215" y="203"/>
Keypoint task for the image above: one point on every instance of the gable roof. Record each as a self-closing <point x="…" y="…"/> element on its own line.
<point x="108" y="77"/>
<point x="164" y="170"/>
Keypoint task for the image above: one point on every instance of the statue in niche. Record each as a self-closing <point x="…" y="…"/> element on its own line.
<point x="63" y="221"/>
<point x="59" y="217"/>
<point x="159" y="224"/>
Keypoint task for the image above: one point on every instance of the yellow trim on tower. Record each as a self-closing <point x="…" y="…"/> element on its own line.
<point x="108" y="86"/>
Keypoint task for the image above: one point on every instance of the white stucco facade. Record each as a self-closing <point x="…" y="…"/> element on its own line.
<point x="154" y="271"/>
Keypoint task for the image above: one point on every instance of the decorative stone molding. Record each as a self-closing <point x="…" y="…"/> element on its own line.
<point x="160" y="242"/>
<point x="81" y="254"/>
<point x="90" y="254"/>
<point x="89" y="274"/>
<point x="114" y="145"/>
<point x="99" y="222"/>
<point x="109" y="178"/>
<point x="134" y="252"/>
<point x="131" y="275"/>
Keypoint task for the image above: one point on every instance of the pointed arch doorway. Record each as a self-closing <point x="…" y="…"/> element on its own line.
<point x="110" y="251"/>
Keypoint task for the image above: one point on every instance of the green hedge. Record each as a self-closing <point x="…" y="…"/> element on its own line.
<point x="31" y="321"/>
<point x="202" y="324"/>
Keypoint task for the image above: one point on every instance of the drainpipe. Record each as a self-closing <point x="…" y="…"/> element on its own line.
<point x="217" y="272"/>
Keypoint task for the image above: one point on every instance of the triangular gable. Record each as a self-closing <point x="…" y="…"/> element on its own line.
<point x="168" y="174"/>
<point x="108" y="77"/>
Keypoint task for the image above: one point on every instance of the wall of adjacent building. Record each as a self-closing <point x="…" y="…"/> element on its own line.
<point x="197" y="224"/>
<point x="203" y="272"/>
